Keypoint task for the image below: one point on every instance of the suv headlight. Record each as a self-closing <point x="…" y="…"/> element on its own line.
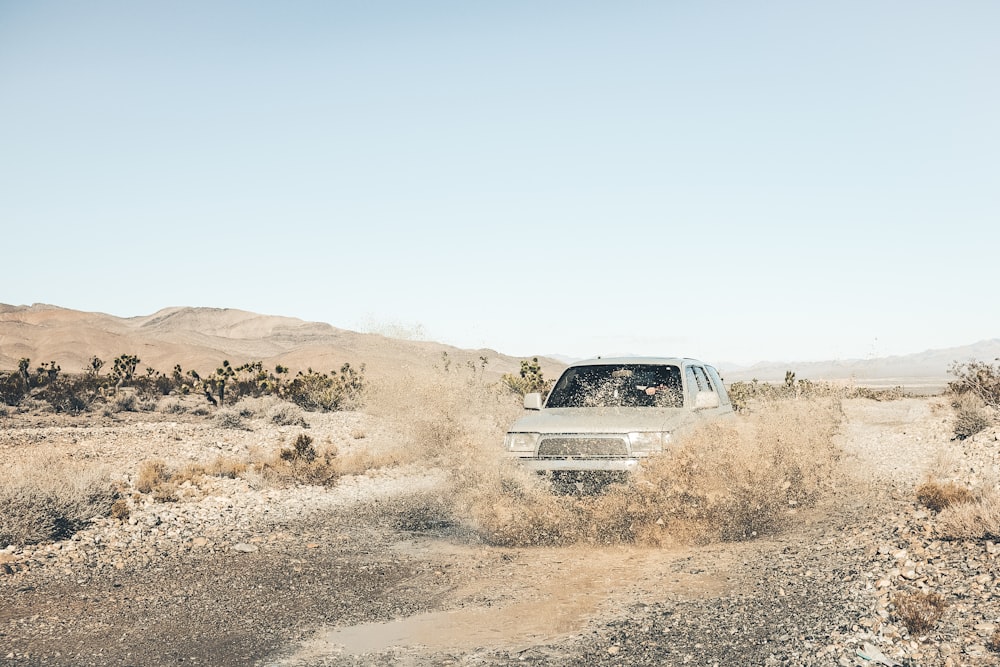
<point x="648" y="441"/>
<point x="520" y="442"/>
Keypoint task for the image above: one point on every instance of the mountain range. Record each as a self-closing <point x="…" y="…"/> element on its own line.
<point x="201" y="338"/>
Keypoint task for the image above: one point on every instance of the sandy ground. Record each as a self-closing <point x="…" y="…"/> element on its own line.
<point x="239" y="573"/>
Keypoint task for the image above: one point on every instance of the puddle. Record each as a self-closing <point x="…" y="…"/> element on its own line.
<point x="553" y="610"/>
<point x="540" y="597"/>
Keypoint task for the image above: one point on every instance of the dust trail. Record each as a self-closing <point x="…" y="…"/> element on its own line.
<point x="722" y="481"/>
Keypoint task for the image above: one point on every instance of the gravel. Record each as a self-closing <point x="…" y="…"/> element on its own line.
<point x="239" y="572"/>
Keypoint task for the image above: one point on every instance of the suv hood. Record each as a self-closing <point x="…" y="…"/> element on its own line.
<point x="602" y="420"/>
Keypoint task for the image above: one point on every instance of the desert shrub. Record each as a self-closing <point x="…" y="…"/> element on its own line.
<point x="301" y="463"/>
<point x="890" y="394"/>
<point x="970" y="415"/>
<point x="936" y="496"/>
<point x="221" y="466"/>
<point x="47" y="498"/>
<point x="529" y="379"/>
<point x="322" y="392"/>
<point x="173" y="408"/>
<point x="124" y="402"/>
<point x="71" y="394"/>
<point x="920" y="611"/>
<point x="226" y="467"/>
<point x="302" y="450"/>
<point x="13" y="388"/>
<point x="978" y="519"/>
<point x="230" y="418"/>
<point x="157" y="480"/>
<point x="152" y="474"/>
<point x="119" y="509"/>
<point x="978" y="378"/>
<point x="286" y="414"/>
<point x="742" y="394"/>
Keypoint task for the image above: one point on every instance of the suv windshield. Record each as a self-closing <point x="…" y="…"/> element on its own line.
<point x="618" y="385"/>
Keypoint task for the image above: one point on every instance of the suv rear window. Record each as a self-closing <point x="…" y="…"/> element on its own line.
<point x="618" y="385"/>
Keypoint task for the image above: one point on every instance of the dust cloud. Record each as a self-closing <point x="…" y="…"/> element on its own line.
<point x="729" y="480"/>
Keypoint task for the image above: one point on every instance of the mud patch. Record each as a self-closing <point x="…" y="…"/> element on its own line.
<point x="517" y="599"/>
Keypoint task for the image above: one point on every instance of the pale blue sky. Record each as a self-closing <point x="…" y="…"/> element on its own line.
<point x="738" y="181"/>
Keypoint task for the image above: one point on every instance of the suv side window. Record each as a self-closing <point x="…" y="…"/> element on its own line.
<point x="719" y="387"/>
<point x="701" y="378"/>
<point x="697" y="381"/>
<point x="691" y="382"/>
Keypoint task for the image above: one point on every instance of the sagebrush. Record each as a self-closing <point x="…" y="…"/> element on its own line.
<point x="920" y="611"/>
<point x="44" y="497"/>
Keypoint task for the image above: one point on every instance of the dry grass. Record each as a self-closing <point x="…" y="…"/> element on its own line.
<point x="919" y="612"/>
<point x="48" y="498"/>
<point x="977" y="519"/>
<point x="155" y="477"/>
<point x="936" y="496"/>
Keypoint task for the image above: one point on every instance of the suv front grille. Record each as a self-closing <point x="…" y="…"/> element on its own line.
<point x="583" y="446"/>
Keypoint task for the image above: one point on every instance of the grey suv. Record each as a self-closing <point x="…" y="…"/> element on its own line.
<point x="605" y="415"/>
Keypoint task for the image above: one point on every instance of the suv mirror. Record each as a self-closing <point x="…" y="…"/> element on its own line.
<point x="705" y="400"/>
<point x="533" y="401"/>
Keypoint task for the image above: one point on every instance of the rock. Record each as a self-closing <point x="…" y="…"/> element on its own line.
<point x="985" y="629"/>
<point x="242" y="547"/>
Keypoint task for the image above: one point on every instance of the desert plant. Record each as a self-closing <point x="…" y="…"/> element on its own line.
<point x="152" y="473"/>
<point x="124" y="403"/>
<point x="71" y="393"/>
<point x="970" y="415"/>
<point x="124" y="369"/>
<point x="302" y="463"/>
<point x="871" y="393"/>
<point x="230" y="418"/>
<point x="119" y="509"/>
<point x="302" y="450"/>
<point x="13" y="388"/>
<point x="48" y="498"/>
<point x="286" y="414"/>
<point x="94" y="366"/>
<point x="919" y="611"/>
<point x="327" y="392"/>
<point x="174" y="408"/>
<point x="529" y="379"/>
<point x="978" y="519"/>
<point x="936" y="495"/>
<point x="979" y="378"/>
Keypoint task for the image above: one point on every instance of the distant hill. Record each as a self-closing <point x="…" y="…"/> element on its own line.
<point x="201" y="338"/>
<point x="929" y="367"/>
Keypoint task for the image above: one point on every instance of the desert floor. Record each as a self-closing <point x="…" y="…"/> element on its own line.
<point x="240" y="572"/>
